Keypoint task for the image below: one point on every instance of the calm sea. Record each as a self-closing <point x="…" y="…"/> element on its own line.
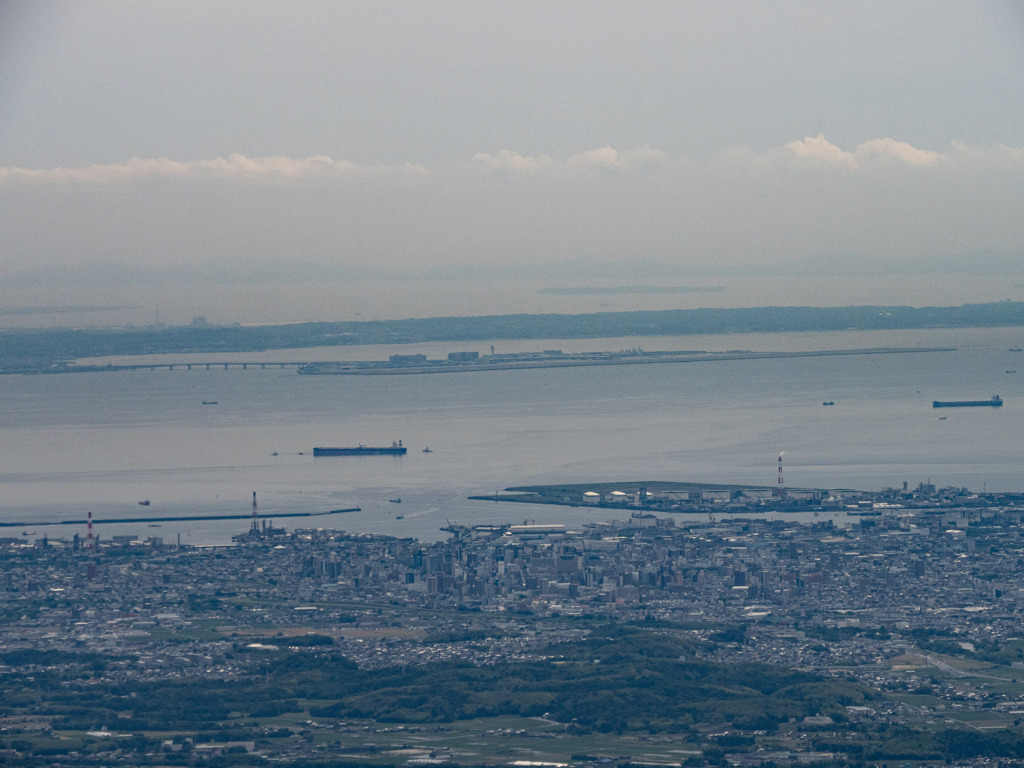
<point x="103" y="442"/>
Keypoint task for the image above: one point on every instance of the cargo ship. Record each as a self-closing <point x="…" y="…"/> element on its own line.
<point x="994" y="402"/>
<point x="395" y="449"/>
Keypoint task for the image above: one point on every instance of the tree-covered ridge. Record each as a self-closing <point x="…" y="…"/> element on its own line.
<point x="635" y="682"/>
<point x="623" y="680"/>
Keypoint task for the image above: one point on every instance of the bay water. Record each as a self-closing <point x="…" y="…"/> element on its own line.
<point x="101" y="442"/>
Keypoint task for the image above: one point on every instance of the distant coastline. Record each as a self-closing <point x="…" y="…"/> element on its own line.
<point x="40" y="351"/>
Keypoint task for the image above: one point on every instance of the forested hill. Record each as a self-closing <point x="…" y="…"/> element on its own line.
<point x="38" y="349"/>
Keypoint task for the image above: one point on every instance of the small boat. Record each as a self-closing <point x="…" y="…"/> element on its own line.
<point x="28" y="533"/>
<point x="828" y="402"/>
<point x="427" y="450"/>
<point x="144" y="503"/>
<point x="943" y="418"/>
<point x="399" y="517"/>
<point x="1011" y="371"/>
<point x="209" y="402"/>
<point x="395" y="501"/>
<point x="154" y="525"/>
<point x="275" y="453"/>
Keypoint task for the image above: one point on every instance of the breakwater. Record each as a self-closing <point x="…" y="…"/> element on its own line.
<point x="176" y="519"/>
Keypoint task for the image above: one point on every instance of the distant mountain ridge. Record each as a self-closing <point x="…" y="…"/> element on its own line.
<point x="272" y="270"/>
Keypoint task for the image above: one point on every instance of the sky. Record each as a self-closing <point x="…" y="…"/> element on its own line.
<point x="162" y="148"/>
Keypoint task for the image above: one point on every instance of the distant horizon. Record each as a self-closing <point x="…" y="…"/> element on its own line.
<point x="115" y="302"/>
<point x="220" y="271"/>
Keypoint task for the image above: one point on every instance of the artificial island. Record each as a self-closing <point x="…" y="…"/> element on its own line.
<point x="656" y="496"/>
<point x="471" y="361"/>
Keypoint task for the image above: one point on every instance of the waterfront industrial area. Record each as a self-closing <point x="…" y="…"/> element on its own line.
<point x="915" y="596"/>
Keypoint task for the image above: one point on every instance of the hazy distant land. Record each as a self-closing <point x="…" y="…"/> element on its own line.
<point x="58" y="310"/>
<point x="621" y="290"/>
<point x="41" y="350"/>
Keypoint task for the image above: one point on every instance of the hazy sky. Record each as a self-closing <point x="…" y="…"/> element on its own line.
<point x="270" y="137"/>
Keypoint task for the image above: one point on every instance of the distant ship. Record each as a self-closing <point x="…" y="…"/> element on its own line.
<point x="427" y="450"/>
<point x="209" y="402"/>
<point x="144" y="503"/>
<point x="828" y="402"/>
<point x="994" y="402"/>
<point x="395" y="449"/>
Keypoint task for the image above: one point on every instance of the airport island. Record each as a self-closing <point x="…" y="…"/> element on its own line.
<point x="645" y="637"/>
<point x="471" y="361"/>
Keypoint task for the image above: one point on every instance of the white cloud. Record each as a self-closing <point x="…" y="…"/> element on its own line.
<point x="232" y="167"/>
<point x="513" y="162"/>
<point x="815" y="151"/>
<point x="238" y="167"/>
<point x="866" y="158"/>
<point x="899" y="150"/>
<point x="882" y="198"/>
<point x="998" y="156"/>
<point x="608" y="157"/>
<point x="821" y="150"/>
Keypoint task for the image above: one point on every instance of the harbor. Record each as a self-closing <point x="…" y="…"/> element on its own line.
<point x="75" y="447"/>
